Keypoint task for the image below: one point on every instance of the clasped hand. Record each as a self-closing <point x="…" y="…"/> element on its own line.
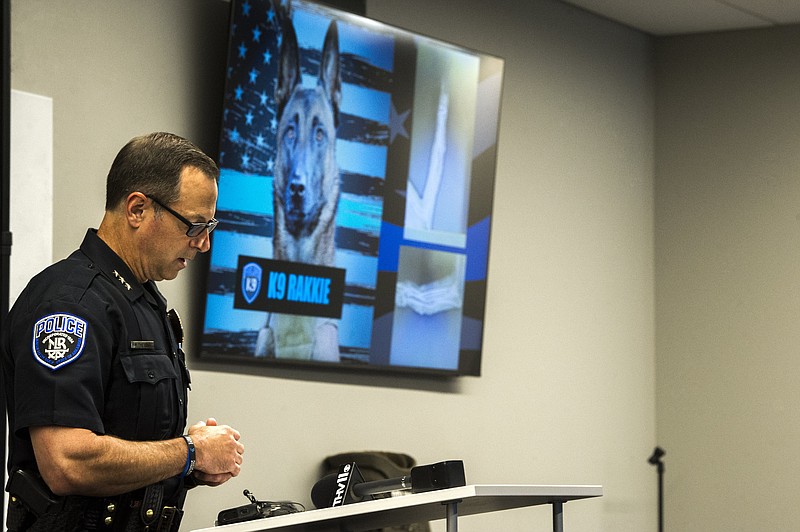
<point x="218" y="452"/>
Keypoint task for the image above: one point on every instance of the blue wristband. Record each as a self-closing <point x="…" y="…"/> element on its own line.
<point x="190" y="457"/>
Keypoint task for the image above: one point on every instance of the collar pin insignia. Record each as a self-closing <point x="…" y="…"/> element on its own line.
<point x="122" y="280"/>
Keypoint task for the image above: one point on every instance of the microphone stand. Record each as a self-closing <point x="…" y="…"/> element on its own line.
<point x="655" y="459"/>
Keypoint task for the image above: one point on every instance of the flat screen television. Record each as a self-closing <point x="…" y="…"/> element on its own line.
<point x="355" y="198"/>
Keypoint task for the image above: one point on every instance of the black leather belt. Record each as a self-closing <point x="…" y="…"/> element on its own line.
<point x="140" y="511"/>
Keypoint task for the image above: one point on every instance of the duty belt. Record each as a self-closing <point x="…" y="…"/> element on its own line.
<point x="142" y="511"/>
<point x="34" y="508"/>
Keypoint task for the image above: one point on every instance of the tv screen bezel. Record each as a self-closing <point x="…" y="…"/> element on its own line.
<point x="485" y="196"/>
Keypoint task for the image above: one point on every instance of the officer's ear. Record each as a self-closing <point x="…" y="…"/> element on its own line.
<point x="135" y="206"/>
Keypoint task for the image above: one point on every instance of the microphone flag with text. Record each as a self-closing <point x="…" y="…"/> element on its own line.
<point x="347" y="485"/>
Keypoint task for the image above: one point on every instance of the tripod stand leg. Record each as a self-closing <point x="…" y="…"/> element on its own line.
<point x="661" y="499"/>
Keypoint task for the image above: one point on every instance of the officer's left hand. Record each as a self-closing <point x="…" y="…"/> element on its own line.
<point x="204" y="479"/>
<point x="218" y="452"/>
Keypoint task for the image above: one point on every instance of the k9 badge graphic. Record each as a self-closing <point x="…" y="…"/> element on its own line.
<point x="251" y="281"/>
<point x="58" y="339"/>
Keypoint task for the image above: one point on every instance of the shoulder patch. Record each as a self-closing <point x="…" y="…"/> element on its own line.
<point x="58" y="339"/>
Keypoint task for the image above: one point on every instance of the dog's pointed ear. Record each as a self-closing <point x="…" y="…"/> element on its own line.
<point x="288" y="66"/>
<point x="329" y="74"/>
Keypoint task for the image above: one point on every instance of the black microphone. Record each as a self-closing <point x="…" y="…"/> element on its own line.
<point x="655" y="458"/>
<point x="347" y="485"/>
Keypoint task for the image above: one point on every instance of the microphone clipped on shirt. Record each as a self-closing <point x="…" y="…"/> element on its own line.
<point x="347" y="485"/>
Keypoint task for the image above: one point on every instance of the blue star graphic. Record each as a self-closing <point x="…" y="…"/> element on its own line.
<point x="246" y="8"/>
<point x="242" y="51"/>
<point x="267" y="57"/>
<point x="253" y="75"/>
<point x="263" y="98"/>
<point x="248" y="118"/>
<point x="235" y="135"/>
<point x="397" y="124"/>
<point x="256" y="34"/>
<point x="239" y="91"/>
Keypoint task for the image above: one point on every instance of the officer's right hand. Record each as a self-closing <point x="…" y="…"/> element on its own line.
<point x="218" y="452"/>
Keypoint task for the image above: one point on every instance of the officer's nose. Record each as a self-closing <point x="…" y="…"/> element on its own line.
<point x="202" y="242"/>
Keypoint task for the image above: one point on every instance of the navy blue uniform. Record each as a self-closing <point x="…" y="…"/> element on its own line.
<point x="88" y="346"/>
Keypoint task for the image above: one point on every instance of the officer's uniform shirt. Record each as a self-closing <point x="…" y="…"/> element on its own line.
<point x="86" y="345"/>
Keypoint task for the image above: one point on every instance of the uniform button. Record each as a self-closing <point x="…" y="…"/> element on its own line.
<point x="111" y="507"/>
<point x="150" y="513"/>
<point x="151" y="374"/>
<point x="108" y="521"/>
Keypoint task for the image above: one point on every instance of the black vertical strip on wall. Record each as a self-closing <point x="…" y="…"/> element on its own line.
<point x="5" y="202"/>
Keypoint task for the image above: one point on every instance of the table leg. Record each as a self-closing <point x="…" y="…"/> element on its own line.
<point x="452" y="516"/>
<point x="558" y="516"/>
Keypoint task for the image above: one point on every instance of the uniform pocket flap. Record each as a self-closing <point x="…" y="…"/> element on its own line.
<point x="151" y="368"/>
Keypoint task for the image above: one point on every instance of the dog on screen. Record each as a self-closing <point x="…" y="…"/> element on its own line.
<point x="305" y="191"/>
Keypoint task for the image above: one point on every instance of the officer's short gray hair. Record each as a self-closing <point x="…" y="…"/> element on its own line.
<point x="152" y="164"/>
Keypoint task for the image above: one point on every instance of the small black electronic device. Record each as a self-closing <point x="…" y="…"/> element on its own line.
<point x="256" y="510"/>
<point x="238" y="514"/>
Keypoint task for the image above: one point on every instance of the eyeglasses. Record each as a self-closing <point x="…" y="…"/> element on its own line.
<point x="195" y="228"/>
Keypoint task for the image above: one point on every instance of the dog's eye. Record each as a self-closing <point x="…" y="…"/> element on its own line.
<point x="289" y="133"/>
<point x="320" y="134"/>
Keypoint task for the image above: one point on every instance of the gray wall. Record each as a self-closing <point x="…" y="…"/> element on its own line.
<point x="728" y="291"/>
<point x="567" y="394"/>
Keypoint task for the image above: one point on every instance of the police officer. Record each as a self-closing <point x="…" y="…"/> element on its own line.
<point x="95" y="379"/>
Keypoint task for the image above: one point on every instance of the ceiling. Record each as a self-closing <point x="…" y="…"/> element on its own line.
<point x="673" y="17"/>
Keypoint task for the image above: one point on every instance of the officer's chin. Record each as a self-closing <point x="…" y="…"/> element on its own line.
<point x="167" y="276"/>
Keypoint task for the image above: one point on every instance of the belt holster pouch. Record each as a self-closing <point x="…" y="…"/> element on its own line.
<point x="154" y="515"/>
<point x="170" y="519"/>
<point x="18" y="517"/>
<point x="150" y="511"/>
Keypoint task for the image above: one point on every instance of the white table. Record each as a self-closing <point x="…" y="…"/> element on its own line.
<point x="419" y="507"/>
